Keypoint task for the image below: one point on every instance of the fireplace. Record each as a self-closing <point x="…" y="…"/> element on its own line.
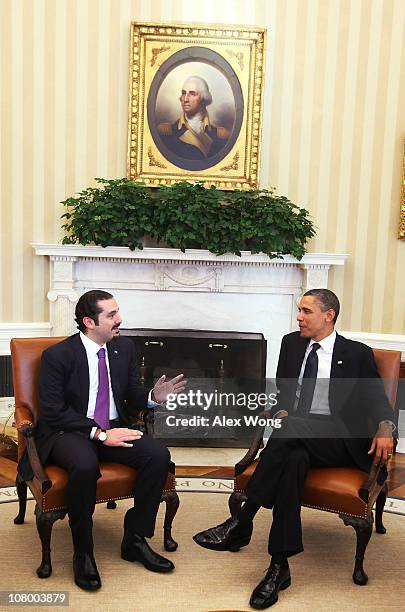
<point x="167" y="289"/>
<point x="214" y="363"/>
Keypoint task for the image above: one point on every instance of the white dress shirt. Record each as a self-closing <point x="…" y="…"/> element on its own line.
<point x="320" y="401"/>
<point x="92" y="349"/>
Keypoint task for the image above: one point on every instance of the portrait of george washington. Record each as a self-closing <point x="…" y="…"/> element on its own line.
<point x="195" y="110"/>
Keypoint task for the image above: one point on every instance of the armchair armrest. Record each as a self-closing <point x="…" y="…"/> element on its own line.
<point x="141" y="419"/>
<point x="27" y="430"/>
<point x="373" y="484"/>
<point x="23" y="416"/>
<point x="250" y="456"/>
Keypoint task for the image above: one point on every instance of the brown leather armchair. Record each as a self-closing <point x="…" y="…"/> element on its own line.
<point x="49" y="483"/>
<point x="348" y="491"/>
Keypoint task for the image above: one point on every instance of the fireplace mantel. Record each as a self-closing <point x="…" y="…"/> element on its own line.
<point x="166" y="288"/>
<point x="166" y="255"/>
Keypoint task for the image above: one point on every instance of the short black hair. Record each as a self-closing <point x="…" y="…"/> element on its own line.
<point x="87" y="306"/>
<point x="326" y="300"/>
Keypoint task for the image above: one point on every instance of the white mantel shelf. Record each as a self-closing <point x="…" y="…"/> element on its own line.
<point x="165" y="255"/>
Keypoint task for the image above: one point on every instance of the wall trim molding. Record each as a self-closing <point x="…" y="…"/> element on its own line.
<point x="43" y="329"/>
<point x="6" y="406"/>
<point x="21" y="330"/>
<point x="394" y="342"/>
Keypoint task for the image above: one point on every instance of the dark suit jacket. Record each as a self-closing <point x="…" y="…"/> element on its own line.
<point x="357" y="399"/>
<point x="64" y="391"/>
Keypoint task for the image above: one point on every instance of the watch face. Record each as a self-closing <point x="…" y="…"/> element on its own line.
<point x="102" y="436"/>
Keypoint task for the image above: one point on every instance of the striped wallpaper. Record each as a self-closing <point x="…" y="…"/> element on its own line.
<point x="333" y="129"/>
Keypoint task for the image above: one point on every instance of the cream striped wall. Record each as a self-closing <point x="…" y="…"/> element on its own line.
<point x="334" y="124"/>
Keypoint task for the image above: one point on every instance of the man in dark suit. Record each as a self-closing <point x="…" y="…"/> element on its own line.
<point x="84" y="382"/>
<point x="330" y="395"/>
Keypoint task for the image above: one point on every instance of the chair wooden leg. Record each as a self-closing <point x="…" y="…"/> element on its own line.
<point x="379" y="509"/>
<point x="172" y="504"/>
<point x="363" y="529"/>
<point x="45" y="521"/>
<point x="21" y="486"/>
<point x="235" y="501"/>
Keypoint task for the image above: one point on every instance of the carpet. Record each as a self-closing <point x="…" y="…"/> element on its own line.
<point x="207" y="581"/>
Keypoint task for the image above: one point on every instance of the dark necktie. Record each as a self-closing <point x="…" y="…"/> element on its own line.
<point x="308" y="382"/>
<point x="102" y="409"/>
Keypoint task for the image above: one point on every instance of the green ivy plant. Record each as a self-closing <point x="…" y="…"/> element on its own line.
<point x="121" y="212"/>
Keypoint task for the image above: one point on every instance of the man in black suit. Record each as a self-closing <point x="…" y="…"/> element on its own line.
<point x="329" y="390"/>
<point x="84" y="382"/>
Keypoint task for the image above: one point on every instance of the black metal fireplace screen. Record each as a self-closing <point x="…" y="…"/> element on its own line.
<point x="226" y="373"/>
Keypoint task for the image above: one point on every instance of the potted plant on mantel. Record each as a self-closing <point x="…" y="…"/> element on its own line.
<point x="121" y="212"/>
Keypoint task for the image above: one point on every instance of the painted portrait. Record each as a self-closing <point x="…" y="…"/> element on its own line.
<point x="195" y="104"/>
<point x="195" y="108"/>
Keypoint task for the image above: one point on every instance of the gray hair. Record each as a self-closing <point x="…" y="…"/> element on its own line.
<point x="326" y="299"/>
<point x="206" y="96"/>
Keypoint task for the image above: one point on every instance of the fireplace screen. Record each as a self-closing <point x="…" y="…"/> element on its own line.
<point x="226" y="373"/>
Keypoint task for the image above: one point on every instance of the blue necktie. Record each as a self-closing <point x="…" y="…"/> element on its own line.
<point x="102" y="409"/>
<point x="308" y="382"/>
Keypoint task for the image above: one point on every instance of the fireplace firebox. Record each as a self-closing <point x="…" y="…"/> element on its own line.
<point x="214" y="363"/>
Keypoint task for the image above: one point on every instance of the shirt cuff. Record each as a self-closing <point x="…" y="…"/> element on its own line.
<point x="92" y="433"/>
<point x="151" y="403"/>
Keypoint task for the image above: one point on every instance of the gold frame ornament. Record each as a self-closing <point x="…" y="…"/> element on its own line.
<point x="221" y="144"/>
<point x="401" y="229"/>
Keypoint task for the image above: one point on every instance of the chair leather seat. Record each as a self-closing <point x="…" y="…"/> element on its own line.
<point x="336" y="490"/>
<point x="330" y="489"/>
<point x="117" y="482"/>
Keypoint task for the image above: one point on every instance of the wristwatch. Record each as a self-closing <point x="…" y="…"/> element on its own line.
<point x="102" y="436"/>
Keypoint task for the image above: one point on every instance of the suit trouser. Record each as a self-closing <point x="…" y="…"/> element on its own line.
<point x="278" y="483"/>
<point x="80" y="456"/>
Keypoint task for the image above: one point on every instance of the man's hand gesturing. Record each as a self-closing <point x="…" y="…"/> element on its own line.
<point x="120" y="436"/>
<point x="164" y="387"/>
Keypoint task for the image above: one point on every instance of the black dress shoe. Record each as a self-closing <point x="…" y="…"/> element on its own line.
<point x="135" y="548"/>
<point x="266" y="593"/>
<point x="230" y="535"/>
<point x="85" y="571"/>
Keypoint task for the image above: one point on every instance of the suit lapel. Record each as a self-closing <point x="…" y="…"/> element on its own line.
<point x="80" y="356"/>
<point x="340" y="367"/>
<point x="298" y="357"/>
<point x="114" y="360"/>
<point x="339" y="358"/>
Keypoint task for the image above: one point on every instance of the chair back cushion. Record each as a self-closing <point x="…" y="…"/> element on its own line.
<point x="26" y="358"/>
<point x="388" y="365"/>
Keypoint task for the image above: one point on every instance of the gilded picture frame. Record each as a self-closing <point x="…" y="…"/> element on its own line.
<point x="195" y="104"/>
<point x="401" y="229"/>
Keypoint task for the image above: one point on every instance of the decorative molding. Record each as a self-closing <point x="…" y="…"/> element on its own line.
<point x="72" y="252"/>
<point x="316" y="275"/>
<point x="186" y="278"/>
<point x="6" y="407"/>
<point x="392" y="342"/>
<point x="21" y="330"/>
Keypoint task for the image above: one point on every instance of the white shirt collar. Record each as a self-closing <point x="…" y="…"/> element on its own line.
<point x="92" y="348"/>
<point x="327" y="343"/>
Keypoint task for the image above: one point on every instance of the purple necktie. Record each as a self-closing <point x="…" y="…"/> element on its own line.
<point x="102" y="409"/>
